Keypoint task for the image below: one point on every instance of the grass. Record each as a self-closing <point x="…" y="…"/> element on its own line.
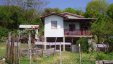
<point x="2" y="49"/>
<point x="66" y="58"/>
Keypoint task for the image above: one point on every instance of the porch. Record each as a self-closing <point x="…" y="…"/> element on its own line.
<point x="55" y="45"/>
<point x="77" y="33"/>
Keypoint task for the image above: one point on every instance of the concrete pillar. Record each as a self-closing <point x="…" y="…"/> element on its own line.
<point x="45" y="43"/>
<point x="55" y="43"/>
<point x="36" y="34"/>
<point x="64" y="44"/>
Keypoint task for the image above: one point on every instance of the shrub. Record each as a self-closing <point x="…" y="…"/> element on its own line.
<point x="100" y="56"/>
<point x="84" y="44"/>
<point x="3" y="33"/>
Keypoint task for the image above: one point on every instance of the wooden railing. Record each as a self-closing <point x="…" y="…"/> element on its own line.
<point x="77" y="32"/>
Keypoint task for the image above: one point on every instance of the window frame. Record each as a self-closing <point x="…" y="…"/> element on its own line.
<point x="54" y="24"/>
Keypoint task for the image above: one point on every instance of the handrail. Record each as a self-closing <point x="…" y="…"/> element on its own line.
<point x="77" y="32"/>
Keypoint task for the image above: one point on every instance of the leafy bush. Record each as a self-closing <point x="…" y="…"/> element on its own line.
<point x="110" y="42"/>
<point x="103" y="56"/>
<point x="84" y="44"/>
<point x="3" y="33"/>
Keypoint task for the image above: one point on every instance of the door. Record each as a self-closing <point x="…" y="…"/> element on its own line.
<point x="71" y="27"/>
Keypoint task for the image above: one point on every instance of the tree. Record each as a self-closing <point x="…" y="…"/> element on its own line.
<point x="95" y="8"/>
<point x="49" y="10"/>
<point x="84" y="44"/>
<point x="110" y="11"/>
<point x="12" y="16"/>
<point x="71" y="10"/>
<point x="39" y="5"/>
<point x="3" y="33"/>
<point x="102" y="28"/>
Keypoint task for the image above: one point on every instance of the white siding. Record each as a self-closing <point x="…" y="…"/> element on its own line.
<point x="48" y="31"/>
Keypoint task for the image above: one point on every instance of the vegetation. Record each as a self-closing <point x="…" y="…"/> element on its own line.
<point x="49" y="10"/>
<point x="84" y="44"/>
<point x="3" y="32"/>
<point x="67" y="57"/>
<point x="2" y="49"/>
<point x="102" y="27"/>
<point x="12" y="15"/>
<point x="95" y="8"/>
<point x="110" y="10"/>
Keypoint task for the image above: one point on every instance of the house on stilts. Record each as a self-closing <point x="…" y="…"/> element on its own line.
<point x="65" y="29"/>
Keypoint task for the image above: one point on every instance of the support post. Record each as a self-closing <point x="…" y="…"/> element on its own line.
<point x="45" y="42"/>
<point x="55" y="43"/>
<point x="60" y="53"/>
<point x="36" y="34"/>
<point x="29" y="45"/>
<point x="64" y="44"/>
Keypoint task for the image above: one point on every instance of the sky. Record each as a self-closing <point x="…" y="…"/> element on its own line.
<point x="62" y="4"/>
<point x="77" y="4"/>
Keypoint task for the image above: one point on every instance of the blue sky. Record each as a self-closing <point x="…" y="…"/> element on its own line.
<point x="77" y="4"/>
<point x="62" y="4"/>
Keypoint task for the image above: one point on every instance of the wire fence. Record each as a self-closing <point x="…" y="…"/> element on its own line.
<point x="50" y="56"/>
<point x="66" y="58"/>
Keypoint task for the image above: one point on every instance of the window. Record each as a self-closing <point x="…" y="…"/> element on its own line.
<point x="54" y="24"/>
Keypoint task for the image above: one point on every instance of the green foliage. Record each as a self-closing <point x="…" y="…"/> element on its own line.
<point x="3" y="32"/>
<point x="70" y="10"/>
<point x="12" y="16"/>
<point x="84" y="44"/>
<point x="67" y="58"/>
<point x="103" y="56"/>
<point x="74" y="11"/>
<point x="96" y="8"/>
<point x="9" y="16"/>
<point x="110" y="11"/>
<point x="49" y="10"/>
<point x="2" y="49"/>
<point x="103" y="26"/>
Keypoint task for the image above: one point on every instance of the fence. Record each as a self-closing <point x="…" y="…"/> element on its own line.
<point x="12" y="53"/>
<point x="20" y="54"/>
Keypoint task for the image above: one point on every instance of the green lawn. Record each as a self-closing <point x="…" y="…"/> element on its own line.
<point x="66" y="58"/>
<point x="2" y="49"/>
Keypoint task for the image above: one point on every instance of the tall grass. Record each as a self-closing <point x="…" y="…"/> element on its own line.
<point x="2" y="49"/>
<point x="66" y="58"/>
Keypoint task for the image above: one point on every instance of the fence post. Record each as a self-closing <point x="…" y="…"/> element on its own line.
<point x="12" y="49"/>
<point x="80" y="52"/>
<point x="8" y="47"/>
<point x="60" y="53"/>
<point x="29" y="45"/>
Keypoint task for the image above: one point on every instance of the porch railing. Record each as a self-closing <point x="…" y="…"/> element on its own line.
<point x="77" y="32"/>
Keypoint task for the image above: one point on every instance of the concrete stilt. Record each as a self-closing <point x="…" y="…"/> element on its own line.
<point x="64" y="44"/>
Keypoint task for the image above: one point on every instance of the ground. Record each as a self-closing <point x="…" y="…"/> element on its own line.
<point x="66" y="58"/>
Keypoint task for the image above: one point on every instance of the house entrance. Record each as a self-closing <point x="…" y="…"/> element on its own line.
<point x="71" y="27"/>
